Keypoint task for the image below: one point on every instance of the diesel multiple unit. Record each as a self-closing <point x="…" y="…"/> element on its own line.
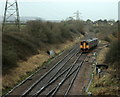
<point x="86" y="45"/>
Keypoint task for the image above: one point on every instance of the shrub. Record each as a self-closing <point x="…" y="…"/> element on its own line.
<point x="10" y="28"/>
<point x="113" y="57"/>
<point x="113" y="54"/>
<point x="36" y="34"/>
<point x="9" y="58"/>
<point x="106" y="38"/>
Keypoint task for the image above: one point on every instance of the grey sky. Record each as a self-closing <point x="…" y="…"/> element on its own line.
<point x="52" y="10"/>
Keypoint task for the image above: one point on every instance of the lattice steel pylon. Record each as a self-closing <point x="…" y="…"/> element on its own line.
<point x="11" y="14"/>
<point x="77" y="15"/>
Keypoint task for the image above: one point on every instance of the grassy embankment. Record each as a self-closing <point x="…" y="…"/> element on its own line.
<point x="0" y="58"/>
<point x="108" y="84"/>
<point x="25" y="51"/>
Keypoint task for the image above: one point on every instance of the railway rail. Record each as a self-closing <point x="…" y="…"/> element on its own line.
<point x="66" y="73"/>
<point x="57" y="75"/>
<point x="50" y="79"/>
<point x="24" y="81"/>
<point x="50" y="83"/>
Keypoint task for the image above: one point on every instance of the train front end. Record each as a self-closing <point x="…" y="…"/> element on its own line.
<point x="84" y="46"/>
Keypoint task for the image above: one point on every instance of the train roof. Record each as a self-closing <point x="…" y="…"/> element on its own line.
<point x="91" y="39"/>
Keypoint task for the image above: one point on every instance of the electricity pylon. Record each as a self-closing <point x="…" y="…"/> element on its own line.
<point x="77" y="15"/>
<point x="11" y="14"/>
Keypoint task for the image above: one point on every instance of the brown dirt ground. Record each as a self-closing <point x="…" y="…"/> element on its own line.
<point x="82" y="78"/>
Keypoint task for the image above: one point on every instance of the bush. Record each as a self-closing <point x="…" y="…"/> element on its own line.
<point x="36" y="34"/>
<point x="113" y="54"/>
<point x="15" y="48"/>
<point x="9" y="58"/>
<point x="113" y="58"/>
<point x="106" y="38"/>
<point x="10" y="28"/>
<point x="48" y="32"/>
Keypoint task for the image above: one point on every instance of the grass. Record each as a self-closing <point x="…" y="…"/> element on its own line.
<point x="101" y="55"/>
<point x="105" y="85"/>
<point x="108" y="84"/>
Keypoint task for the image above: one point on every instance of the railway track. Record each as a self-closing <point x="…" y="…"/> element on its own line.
<point x="65" y="69"/>
<point x="70" y="70"/>
<point x="70" y="53"/>
<point x="50" y="76"/>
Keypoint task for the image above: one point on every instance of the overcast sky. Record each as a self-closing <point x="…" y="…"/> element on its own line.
<point x="61" y="9"/>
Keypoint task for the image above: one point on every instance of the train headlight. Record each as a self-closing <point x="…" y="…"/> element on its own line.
<point x="81" y="46"/>
<point x="87" y="46"/>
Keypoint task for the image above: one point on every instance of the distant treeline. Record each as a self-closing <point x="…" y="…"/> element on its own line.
<point x="35" y="35"/>
<point x="104" y="29"/>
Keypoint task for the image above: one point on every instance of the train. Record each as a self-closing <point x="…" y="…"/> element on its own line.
<point x="89" y="44"/>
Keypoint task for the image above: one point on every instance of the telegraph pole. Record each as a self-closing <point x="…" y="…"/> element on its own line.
<point x="11" y="14"/>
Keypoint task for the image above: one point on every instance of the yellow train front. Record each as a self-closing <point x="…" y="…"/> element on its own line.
<point x="87" y="45"/>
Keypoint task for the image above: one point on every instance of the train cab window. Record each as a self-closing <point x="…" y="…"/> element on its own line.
<point x="81" y="43"/>
<point x="86" y="43"/>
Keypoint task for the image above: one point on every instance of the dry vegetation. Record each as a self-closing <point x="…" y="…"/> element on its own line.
<point x="104" y="29"/>
<point x="102" y="55"/>
<point x="34" y="36"/>
<point x="34" y="62"/>
<point x="25" y="51"/>
<point x="108" y="84"/>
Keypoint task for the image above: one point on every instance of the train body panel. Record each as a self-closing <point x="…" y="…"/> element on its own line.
<point x="86" y="45"/>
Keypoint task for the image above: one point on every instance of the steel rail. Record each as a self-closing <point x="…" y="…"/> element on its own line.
<point x="72" y="81"/>
<point x="53" y="80"/>
<point x="62" y="66"/>
<point x="33" y="85"/>
<point x="57" y="87"/>
<point x="21" y="83"/>
<point x="44" y="87"/>
<point x="68" y="74"/>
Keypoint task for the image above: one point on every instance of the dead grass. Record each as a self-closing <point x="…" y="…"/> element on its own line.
<point x="101" y="55"/>
<point x="25" y="67"/>
<point x="106" y="85"/>
<point x="103" y="42"/>
<point x="0" y="85"/>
